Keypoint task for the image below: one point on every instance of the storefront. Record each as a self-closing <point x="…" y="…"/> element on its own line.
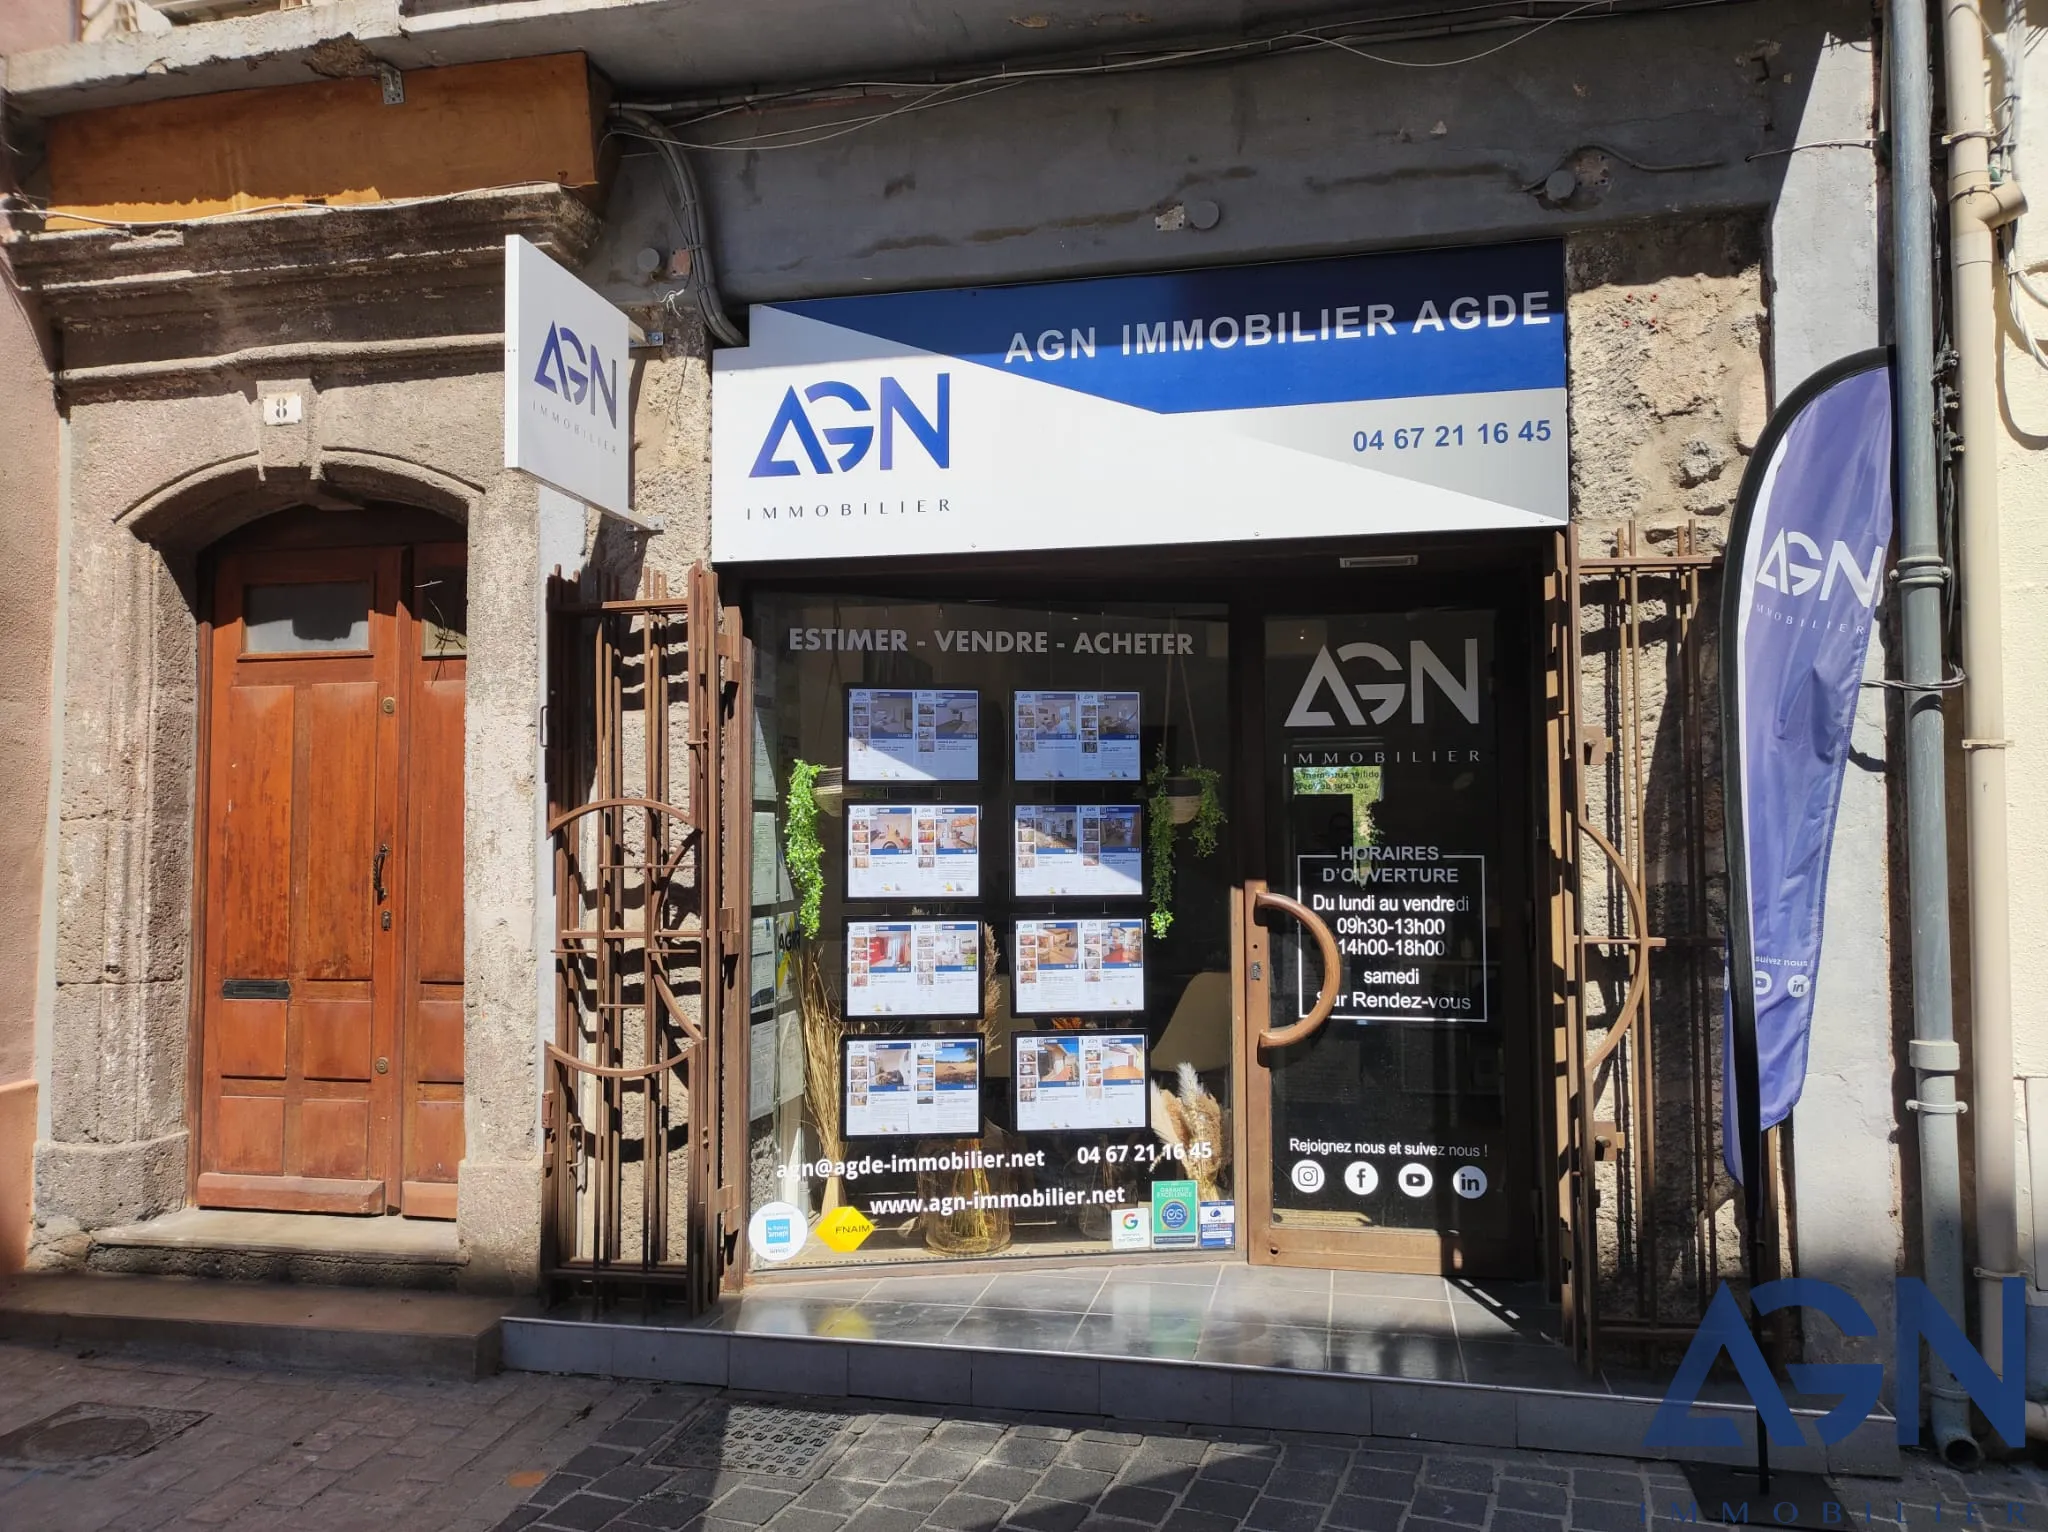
<point x="1147" y="764"/>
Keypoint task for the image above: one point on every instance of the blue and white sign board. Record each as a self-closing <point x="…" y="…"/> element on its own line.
<point x="1413" y="392"/>
<point x="568" y="414"/>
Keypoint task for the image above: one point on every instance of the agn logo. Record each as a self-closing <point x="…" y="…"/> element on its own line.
<point x="1786" y="573"/>
<point x="1384" y="697"/>
<point x="577" y="373"/>
<point x="853" y="440"/>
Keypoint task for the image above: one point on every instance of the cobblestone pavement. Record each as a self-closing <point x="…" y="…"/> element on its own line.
<point x="342" y="1452"/>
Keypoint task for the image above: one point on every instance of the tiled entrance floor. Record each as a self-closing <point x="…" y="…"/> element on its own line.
<point x="1371" y="1324"/>
<point x="1194" y="1343"/>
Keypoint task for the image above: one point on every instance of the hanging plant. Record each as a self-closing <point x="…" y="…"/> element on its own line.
<point x="1159" y="839"/>
<point x="1163" y="806"/>
<point x="1207" y="829"/>
<point x="802" y="851"/>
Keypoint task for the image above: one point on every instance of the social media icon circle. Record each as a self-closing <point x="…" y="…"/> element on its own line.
<point x="1360" y="1179"/>
<point x="1469" y="1181"/>
<point x="1307" y="1176"/>
<point x="1415" y="1179"/>
<point x="1798" y="985"/>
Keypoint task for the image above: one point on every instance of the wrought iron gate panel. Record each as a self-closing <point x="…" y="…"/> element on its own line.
<point x="1637" y="893"/>
<point x="639" y="1185"/>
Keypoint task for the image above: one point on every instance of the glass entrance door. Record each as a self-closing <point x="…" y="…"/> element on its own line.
<point x="1384" y="951"/>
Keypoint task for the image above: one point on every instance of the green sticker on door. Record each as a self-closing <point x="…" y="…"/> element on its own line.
<point x="1174" y="1205"/>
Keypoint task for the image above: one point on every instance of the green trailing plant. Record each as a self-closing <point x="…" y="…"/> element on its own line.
<point x="1159" y="839"/>
<point x="1205" y="830"/>
<point x="802" y="850"/>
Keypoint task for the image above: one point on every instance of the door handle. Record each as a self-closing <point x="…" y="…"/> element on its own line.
<point x="1333" y="969"/>
<point x="377" y="871"/>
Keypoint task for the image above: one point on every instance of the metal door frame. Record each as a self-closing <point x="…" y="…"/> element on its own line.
<point x="1511" y="593"/>
<point x="650" y="997"/>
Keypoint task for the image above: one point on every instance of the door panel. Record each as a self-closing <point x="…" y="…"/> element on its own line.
<point x="249" y="1134"/>
<point x="330" y="1137"/>
<point x="340" y="767"/>
<point x="247" y="1039"/>
<point x="331" y="940"/>
<point x="335" y="1039"/>
<point x="436" y="659"/>
<point x="435" y="1046"/>
<point x="253" y="887"/>
<point x="1388" y="1135"/>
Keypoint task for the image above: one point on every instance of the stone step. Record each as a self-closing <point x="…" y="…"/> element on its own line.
<point x="1154" y="1389"/>
<point x="358" y="1329"/>
<point x="283" y="1247"/>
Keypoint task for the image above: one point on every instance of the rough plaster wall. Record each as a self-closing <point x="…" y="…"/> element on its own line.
<point x="116" y="1145"/>
<point x="28" y="550"/>
<point x="1846" y="1217"/>
<point x="29" y="24"/>
<point x="1311" y="154"/>
<point x="2023" y="559"/>
<point x="499" y="1199"/>
<point x="1667" y="372"/>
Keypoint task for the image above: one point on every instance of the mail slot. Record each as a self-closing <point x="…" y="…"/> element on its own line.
<point x="255" y="989"/>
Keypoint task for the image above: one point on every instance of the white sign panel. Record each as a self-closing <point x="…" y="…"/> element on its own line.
<point x="1079" y="1081"/>
<point x="568" y="417"/>
<point x="913" y="968"/>
<point x="913" y="850"/>
<point x="1421" y="391"/>
<point x="1079" y="848"/>
<point x="923" y="1087"/>
<point x="1078" y="967"/>
<point x="1077" y="736"/>
<point x="912" y="736"/>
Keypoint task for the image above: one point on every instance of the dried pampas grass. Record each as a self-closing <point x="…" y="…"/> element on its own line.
<point x="823" y="1028"/>
<point x="1186" y="1118"/>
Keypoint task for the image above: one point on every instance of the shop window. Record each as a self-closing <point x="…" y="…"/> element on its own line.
<point x="1010" y="1033"/>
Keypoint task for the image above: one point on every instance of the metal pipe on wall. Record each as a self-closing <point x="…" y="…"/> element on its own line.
<point x="1922" y="579"/>
<point x="1975" y="208"/>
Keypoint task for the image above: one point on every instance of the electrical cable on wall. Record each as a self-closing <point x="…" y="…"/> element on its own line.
<point x="684" y="114"/>
<point x="688" y="205"/>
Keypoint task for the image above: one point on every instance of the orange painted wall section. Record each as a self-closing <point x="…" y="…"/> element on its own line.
<point x="17" y="1169"/>
<point x="464" y="128"/>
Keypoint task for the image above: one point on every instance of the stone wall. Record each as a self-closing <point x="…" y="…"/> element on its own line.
<point x="28" y="551"/>
<point x="1668" y="395"/>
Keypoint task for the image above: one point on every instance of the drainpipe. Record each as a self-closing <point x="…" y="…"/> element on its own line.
<point x="1922" y="578"/>
<point x="1976" y="207"/>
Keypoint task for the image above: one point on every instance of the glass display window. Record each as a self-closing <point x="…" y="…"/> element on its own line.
<point x="988" y="1055"/>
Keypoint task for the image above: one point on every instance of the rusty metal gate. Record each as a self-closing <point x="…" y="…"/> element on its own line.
<point x="1646" y="1225"/>
<point x="642" y="1172"/>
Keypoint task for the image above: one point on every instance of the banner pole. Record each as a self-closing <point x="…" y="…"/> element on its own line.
<point x="1747" y="568"/>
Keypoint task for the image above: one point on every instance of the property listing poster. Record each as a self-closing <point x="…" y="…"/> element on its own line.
<point x="913" y="850"/>
<point x="1095" y="849"/>
<point x="1079" y="1081"/>
<point x="1079" y="967"/>
<point x="1077" y="737"/>
<point x="912" y="736"/>
<point x="915" y="1087"/>
<point x="913" y="968"/>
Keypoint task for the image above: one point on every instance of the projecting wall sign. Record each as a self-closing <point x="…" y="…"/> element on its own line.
<point x="568" y="410"/>
<point x="1415" y="392"/>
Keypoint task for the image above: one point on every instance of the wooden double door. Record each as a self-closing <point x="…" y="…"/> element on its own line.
<point x="331" y="866"/>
